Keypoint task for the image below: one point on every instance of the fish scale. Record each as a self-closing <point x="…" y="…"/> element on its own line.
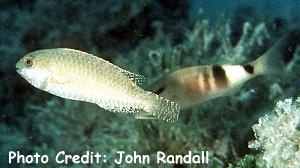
<point x="77" y="75"/>
<point x="191" y="86"/>
<point x="90" y="77"/>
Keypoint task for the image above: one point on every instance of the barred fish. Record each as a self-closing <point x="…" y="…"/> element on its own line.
<point x="77" y="75"/>
<point x="194" y="85"/>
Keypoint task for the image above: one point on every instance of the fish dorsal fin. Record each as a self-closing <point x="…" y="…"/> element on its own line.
<point x="137" y="79"/>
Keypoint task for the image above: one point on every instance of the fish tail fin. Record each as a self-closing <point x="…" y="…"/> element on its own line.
<point x="274" y="60"/>
<point x="163" y="109"/>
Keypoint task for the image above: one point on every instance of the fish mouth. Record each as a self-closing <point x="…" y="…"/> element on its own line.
<point x="18" y="70"/>
<point x="18" y="67"/>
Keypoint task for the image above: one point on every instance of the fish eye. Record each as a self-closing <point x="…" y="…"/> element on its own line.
<point x="28" y="61"/>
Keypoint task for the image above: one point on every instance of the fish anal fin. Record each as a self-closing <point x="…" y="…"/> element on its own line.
<point x="144" y="116"/>
<point x="113" y="107"/>
<point x="164" y="109"/>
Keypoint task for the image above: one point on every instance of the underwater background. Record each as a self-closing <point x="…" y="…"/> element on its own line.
<point x="153" y="38"/>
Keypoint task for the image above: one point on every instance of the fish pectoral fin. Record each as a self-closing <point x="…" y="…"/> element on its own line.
<point x="52" y="80"/>
<point x="137" y="79"/>
<point x="60" y="81"/>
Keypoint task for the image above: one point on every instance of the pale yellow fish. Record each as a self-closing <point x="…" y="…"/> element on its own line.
<point x="77" y="75"/>
<point x="194" y="85"/>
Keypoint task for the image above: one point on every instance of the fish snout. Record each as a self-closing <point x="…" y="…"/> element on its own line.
<point x="18" y="66"/>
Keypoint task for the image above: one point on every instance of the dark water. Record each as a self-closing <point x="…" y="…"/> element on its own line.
<point x="151" y="38"/>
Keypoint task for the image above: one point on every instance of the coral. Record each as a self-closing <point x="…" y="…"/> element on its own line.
<point x="278" y="135"/>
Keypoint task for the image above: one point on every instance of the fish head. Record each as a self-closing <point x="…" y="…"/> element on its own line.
<point x="34" y="67"/>
<point x="167" y="88"/>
